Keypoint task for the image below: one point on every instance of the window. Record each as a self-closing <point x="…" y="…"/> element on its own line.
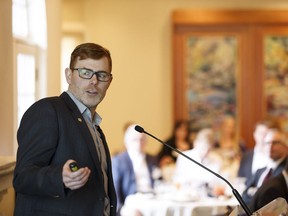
<point x="30" y="34"/>
<point x="26" y="87"/>
<point x="29" y="21"/>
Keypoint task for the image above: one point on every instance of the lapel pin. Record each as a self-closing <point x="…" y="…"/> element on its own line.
<point x="79" y="119"/>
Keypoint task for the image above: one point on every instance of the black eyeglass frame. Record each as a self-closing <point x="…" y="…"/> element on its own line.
<point x="107" y="76"/>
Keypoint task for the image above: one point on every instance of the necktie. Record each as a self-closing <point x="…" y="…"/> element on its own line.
<point x="269" y="174"/>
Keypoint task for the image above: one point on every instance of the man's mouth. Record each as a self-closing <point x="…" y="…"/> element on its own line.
<point x="92" y="92"/>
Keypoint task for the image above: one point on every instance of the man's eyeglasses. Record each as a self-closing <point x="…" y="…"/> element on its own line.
<point x="88" y="74"/>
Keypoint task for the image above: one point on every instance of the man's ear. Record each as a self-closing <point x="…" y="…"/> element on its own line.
<point x="68" y="75"/>
<point x="110" y="82"/>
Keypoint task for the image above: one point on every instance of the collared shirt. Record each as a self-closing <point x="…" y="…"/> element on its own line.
<point x="271" y="165"/>
<point x="92" y="125"/>
<point x="259" y="160"/>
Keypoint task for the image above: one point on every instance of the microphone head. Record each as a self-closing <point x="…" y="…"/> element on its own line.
<point x="139" y="129"/>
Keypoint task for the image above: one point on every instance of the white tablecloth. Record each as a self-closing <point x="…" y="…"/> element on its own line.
<point x="153" y="205"/>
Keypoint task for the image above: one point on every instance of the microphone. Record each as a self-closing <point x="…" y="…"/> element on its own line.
<point x="235" y="192"/>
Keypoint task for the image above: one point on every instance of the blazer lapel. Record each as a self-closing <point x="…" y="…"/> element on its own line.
<point x="280" y="167"/>
<point x="80" y="121"/>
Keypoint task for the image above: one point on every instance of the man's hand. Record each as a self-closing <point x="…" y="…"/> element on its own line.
<point x="77" y="179"/>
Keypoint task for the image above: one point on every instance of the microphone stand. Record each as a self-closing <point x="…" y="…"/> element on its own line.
<point x="234" y="191"/>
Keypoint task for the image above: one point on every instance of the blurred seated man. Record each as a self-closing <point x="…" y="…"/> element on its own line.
<point x="277" y="150"/>
<point x="189" y="173"/>
<point x="133" y="169"/>
<point x="274" y="187"/>
<point x="256" y="158"/>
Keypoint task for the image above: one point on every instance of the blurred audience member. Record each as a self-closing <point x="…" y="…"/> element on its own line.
<point x="179" y="140"/>
<point x="133" y="169"/>
<point x="274" y="187"/>
<point x="229" y="146"/>
<point x="227" y="135"/>
<point x="192" y="135"/>
<point x="256" y="158"/>
<point x="277" y="150"/>
<point x="189" y="173"/>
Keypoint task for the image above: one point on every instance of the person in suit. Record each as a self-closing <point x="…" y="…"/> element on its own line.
<point x="133" y="169"/>
<point x="274" y="187"/>
<point x="56" y="131"/>
<point x="256" y="158"/>
<point x="277" y="150"/>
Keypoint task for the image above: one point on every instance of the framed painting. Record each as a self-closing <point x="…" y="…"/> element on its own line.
<point x="276" y="77"/>
<point x="211" y="71"/>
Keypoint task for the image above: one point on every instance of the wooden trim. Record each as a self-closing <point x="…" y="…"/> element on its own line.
<point x="206" y="17"/>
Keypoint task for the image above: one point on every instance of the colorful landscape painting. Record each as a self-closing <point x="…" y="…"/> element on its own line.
<point x="211" y="70"/>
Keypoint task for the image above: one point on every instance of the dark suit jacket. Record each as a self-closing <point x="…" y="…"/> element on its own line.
<point x="272" y="189"/>
<point x="245" y="168"/>
<point x="52" y="131"/>
<point x="124" y="177"/>
<point x="250" y="183"/>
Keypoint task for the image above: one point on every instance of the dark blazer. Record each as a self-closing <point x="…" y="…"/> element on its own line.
<point x="52" y="131"/>
<point x="124" y="177"/>
<point x="252" y="183"/>
<point x="272" y="189"/>
<point x="245" y="167"/>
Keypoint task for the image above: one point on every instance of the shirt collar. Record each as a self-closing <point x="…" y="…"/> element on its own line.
<point x="275" y="164"/>
<point x="84" y="110"/>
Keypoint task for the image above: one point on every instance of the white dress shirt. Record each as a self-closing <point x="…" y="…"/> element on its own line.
<point x="141" y="171"/>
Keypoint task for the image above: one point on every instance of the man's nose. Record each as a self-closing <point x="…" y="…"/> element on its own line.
<point x="94" y="79"/>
